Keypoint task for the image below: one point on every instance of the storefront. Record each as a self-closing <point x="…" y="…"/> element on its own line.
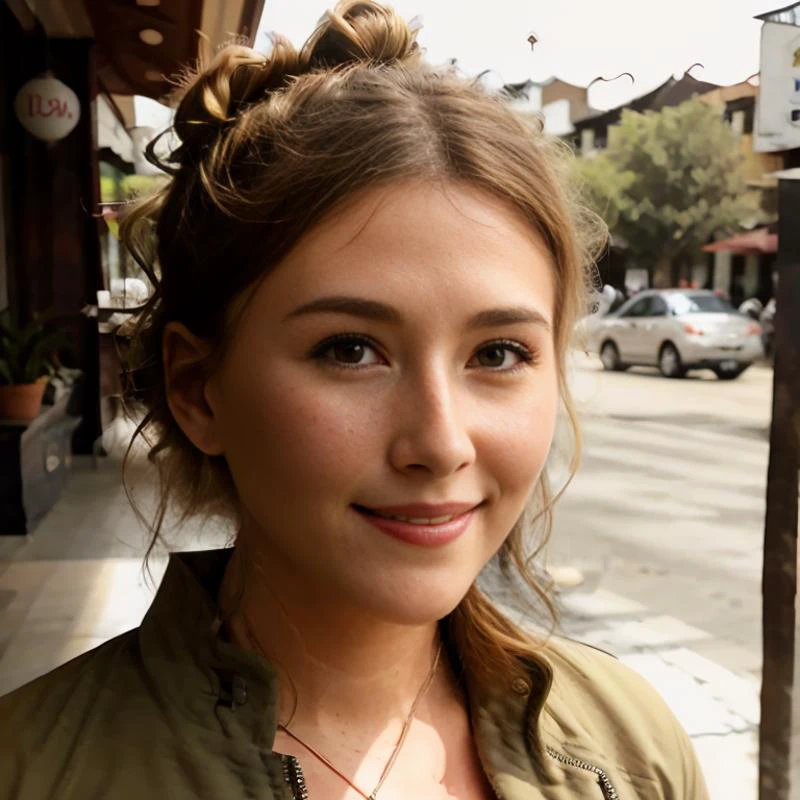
<point x="56" y="251"/>
<point x="744" y="264"/>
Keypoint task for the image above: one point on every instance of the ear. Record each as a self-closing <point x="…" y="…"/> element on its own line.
<point x="185" y="356"/>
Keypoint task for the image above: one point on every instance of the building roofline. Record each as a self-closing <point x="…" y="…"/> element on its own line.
<point x="765" y="17"/>
<point x="634" y="102"/>
<point x="622" y="106"/>
<point x="555" y="78"/>
<point x="529" y="82"/>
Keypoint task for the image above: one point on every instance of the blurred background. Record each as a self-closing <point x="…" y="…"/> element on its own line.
<point x="685" y="121"/>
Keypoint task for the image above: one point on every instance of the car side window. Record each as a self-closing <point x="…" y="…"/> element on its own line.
<point x="639" y="309"/>
<point x="658" y="307"/>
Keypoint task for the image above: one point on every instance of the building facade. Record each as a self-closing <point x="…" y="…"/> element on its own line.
<point x="55" y="249"/>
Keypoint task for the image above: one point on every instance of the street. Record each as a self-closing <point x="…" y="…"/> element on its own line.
<point x="669" y="502"/>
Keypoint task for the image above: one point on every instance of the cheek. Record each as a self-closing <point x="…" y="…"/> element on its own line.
<point x="518" y="442"/>
<point x="296" y="437"/>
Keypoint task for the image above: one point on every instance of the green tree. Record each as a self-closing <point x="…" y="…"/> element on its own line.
<point x="667" y="182"/>
<point x="141" y="185"/>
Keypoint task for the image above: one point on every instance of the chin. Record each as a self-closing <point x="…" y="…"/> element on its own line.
<point x="418" y="600"/>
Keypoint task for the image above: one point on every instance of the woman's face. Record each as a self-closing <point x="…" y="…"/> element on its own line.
<point x="401" y="355"/>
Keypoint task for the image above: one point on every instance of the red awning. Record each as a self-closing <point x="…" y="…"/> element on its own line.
<point x="756" y="241"/>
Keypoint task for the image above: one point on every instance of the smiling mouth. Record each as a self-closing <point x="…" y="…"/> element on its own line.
<point x="411" y="520"/>
<point x="422" y="531"/>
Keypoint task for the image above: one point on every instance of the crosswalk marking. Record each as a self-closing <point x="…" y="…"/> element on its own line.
<point x="671" y="438"/>
<point x="600" y="604"/>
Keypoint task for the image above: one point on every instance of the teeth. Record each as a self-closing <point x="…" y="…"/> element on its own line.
<point x="418" y="520"/>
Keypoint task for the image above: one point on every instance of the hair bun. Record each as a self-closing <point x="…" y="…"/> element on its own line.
<point x="213" y="94"/>
<point x="360" y="30"/>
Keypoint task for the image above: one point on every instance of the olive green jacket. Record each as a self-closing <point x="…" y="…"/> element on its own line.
<point x="171" y="710"/>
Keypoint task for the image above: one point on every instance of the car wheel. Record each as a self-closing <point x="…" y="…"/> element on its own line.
<point x="669" y="362"/>
<point x="609" y="356"/>
<point x="729" y="374"/>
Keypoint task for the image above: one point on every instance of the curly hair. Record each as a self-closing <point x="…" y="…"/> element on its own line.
<point x="271" y="144"/>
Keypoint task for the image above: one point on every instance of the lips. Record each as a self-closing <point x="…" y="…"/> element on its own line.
<point x="416" y="520"/>
<point x="422" y="524"/>
<point x="421" y="511"/>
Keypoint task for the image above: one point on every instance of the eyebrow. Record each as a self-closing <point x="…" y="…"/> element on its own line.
<point x="380" y="312"/>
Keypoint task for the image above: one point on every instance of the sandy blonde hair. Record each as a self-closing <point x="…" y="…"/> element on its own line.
<point x="270" y="144"/>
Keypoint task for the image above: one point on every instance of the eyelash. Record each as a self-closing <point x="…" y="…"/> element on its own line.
<point x="527" y="356"/>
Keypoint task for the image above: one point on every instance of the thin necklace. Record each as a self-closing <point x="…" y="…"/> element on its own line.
<point x="403" y="733"/>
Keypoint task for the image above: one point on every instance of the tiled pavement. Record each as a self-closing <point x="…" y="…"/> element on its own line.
<point x="79" y="579"/>
<point x="717" y="707"/>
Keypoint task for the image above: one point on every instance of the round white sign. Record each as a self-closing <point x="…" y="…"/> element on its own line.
<point x="47" y="108"/>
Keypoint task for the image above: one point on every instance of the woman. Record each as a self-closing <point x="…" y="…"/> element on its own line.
<point x="368" y="272"/>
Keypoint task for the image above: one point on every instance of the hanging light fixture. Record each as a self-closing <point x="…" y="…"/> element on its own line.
<point x="47" y="108"/>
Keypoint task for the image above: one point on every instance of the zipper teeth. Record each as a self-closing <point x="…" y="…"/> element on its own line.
<point x="609" y="792"/>
<point x="293" y="775"/>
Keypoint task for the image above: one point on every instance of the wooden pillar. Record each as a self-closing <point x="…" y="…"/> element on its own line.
<point x="53" y="194"/>
<point x="779" y="745"/>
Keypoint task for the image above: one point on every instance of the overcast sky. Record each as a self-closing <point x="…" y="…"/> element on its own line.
<point x="578" y="40"/>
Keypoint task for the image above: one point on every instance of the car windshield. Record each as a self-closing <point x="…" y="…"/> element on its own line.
<point x="700" y="304"/>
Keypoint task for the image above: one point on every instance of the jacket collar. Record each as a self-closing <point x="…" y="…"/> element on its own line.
<point x="198" y="672"/>
<point x="195" y="669"/>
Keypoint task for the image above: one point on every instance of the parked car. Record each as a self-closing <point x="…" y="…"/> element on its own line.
<point x="677" y="330"/>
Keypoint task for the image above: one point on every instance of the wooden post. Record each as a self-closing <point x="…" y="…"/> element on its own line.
<point x="779" y="743"/>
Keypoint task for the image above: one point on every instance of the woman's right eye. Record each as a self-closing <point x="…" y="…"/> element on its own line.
<point x="347" y="351"/>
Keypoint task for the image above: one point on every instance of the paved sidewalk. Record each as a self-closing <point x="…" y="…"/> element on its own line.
<point x="79" y="581"/>
<point x="717" y="707"/>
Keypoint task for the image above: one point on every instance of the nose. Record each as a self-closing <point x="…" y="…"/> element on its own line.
<point x="430" y="432"/>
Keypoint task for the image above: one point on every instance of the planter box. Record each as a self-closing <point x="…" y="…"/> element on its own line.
<point x="35" y="462"/>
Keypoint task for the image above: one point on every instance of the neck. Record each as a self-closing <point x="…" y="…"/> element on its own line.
<point x="337" y="666"/>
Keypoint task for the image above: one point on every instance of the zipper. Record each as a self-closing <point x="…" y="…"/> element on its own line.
<point x="293" y="775"/>
<point x="609" y="792"/>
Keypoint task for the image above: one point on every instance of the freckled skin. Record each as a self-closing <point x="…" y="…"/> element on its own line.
<point x="421" y="419"/>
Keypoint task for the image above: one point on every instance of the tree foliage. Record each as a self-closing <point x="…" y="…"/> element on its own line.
<point x="140" y="185"/>
<point x="129" y="187"/>
<point x="669" y="181"/>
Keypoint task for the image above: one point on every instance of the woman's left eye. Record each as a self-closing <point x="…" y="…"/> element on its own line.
<point x="347" y="351"/>
<point x="504" y="356"/>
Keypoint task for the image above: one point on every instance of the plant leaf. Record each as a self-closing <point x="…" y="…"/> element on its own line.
<point x="28" y="352"/>
<point x="6" y="375"/>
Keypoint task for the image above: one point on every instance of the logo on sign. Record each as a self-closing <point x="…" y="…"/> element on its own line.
<point x="47" y="108"/>
<point x="39" y="106"/>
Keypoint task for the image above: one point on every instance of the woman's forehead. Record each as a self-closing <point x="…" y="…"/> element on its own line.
<point x="403" y="212"/>
<point x="423" y="237"/>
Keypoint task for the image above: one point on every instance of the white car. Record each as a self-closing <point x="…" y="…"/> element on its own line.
<point x="677" y="330"/>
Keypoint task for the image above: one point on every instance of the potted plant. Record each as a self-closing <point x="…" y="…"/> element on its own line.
<point x="28" y="357"/>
